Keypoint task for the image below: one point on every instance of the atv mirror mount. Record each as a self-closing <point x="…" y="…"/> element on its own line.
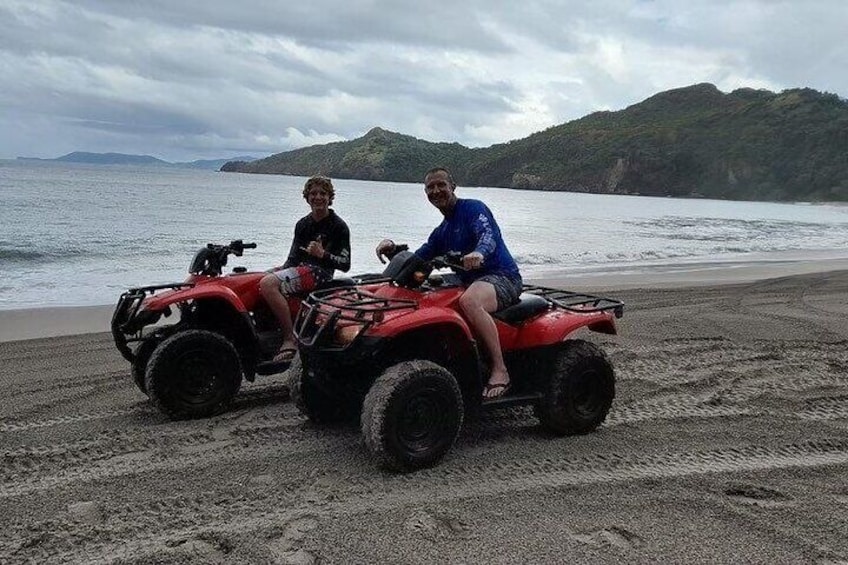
<point x="398" y="248"/>
<point x="408" y="270"/>
<point x="413" y="272"/>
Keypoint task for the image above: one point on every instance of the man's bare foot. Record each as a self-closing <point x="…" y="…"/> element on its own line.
<point x="287" y="352"/>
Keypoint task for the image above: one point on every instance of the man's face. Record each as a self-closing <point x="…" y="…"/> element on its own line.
<point x="440" y="191"/>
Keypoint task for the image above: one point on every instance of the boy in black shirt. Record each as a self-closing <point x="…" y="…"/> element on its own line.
<point x="321" y="245"/>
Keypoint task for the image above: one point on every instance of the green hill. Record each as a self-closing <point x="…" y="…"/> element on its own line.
<point x="109" y="159"/>
<point x="692" y="142"/>
<point x="378" y="155"/>
<point x="87" y="158"/>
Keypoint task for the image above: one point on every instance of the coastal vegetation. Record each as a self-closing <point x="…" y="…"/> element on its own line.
<point x="689" y="142"/>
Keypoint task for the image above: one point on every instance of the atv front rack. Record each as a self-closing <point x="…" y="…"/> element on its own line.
<point x="324" y="310"/>
<point x="575" y="301"/>
<point x="128" y="320"/>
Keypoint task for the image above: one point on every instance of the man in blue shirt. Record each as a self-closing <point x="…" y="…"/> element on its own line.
<point x="492" y="278"/>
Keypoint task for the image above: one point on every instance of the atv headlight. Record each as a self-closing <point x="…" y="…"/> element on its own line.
<point x="344" y="335"/>
<point x="141" y="319"/>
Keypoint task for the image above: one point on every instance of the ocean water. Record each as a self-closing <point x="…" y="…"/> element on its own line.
<point x="80" y="235"/>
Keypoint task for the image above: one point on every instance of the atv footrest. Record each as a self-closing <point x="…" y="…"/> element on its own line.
<point x="510" y="400"/>
<point x="272" y="367"/>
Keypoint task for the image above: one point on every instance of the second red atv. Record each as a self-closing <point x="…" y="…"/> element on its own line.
<point x="397" y="353"/>
<point x="223" y="332"/>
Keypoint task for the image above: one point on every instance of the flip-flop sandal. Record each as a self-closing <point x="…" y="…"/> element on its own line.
<point x="285" y="355"/>
<point x="502" y="387"/>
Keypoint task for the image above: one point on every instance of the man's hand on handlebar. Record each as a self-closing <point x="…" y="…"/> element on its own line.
<point x="385" y="247"/>
<point x="473" y="260"/>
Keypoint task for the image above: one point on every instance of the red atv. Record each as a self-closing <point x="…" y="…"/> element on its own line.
<point x="397" y="352"/>
<point x="224" y="331"/>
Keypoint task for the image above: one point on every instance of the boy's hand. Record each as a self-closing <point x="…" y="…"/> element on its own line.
<point x="315" y="249"/>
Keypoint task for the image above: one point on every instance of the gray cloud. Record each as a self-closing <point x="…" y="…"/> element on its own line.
<point x="192" y="79"/>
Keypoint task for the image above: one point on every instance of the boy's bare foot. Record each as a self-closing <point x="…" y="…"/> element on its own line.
<point x="498" y="385"/>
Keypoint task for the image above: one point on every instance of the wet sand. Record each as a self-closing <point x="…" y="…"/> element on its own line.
<point x="727" y="443"/>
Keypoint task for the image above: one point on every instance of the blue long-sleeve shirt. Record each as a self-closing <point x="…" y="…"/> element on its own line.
<point x="471" y="227"/>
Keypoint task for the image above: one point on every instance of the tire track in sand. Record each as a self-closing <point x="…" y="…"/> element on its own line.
<point x="251" y="433"/>
<point x="246" y="397"/>
<point x="356" y="493"/>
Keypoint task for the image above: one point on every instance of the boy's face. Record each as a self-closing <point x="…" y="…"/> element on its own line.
<point x="318" y="198"/>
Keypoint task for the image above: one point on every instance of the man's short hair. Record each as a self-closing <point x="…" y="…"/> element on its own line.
<point x="322" y="182"/>
<point x="443" y="170"/>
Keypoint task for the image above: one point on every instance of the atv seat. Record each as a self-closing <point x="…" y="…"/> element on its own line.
<point x="528" y="305"/>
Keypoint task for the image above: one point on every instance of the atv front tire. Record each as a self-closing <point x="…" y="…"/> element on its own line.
<point x="138" y="369"/>
<point x="311" y="400"/>
<point x="193" y="374"/>
<point x="412" y="415"/>
<point x="579" y="392"/>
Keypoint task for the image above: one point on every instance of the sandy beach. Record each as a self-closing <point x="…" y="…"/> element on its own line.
<point x="727" y="443"/>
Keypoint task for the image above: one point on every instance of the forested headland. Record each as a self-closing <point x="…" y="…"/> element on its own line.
<point x="689" y="142"/>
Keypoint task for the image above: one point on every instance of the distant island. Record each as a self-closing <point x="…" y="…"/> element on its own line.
<point x="688" y="142"/>
<point x="146" y="160"/>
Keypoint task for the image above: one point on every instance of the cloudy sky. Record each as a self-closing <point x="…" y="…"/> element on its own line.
<point x="196" y="79"/>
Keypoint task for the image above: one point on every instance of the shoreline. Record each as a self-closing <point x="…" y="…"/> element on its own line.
<point x="53" y="321"/>
<point x="693" y="275"/>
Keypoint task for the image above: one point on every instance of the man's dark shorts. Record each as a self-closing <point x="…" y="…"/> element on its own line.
<point x="507" y="289"/>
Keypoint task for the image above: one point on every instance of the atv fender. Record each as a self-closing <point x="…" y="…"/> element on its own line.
<point x="422" y="319"/>
<point x="217" y="309"/>
<point x="559" y="324"/>
<point x="205" y="292"/>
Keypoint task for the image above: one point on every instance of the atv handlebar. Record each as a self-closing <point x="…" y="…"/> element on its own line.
<point x="211" y="259"/>
<point x="451" y="259"/>
<point x="410" y="271"/>
<point x="236" y="247"/>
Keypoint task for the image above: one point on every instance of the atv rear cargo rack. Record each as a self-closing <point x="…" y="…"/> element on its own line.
<point x="576" y="301"/>
<point x="352" y="305"/>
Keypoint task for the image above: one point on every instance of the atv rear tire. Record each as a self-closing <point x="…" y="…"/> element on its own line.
<point x="193" y="374"/>
<point x="412" y="415"/>
<point x="312" y="401"/>
<point x="138" y="369"/>
<point x="579" y="393"/>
